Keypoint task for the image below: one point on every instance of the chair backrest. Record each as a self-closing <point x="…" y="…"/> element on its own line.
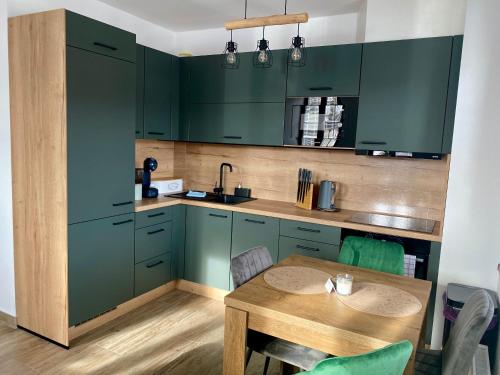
<point x="249" y="264"/>
<point x="390" y="360"/>
<point x="466" y="333"/>
<point x="384" y="256"/>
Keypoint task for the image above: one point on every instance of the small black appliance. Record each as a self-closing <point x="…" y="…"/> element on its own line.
<point x="150" y="165"/>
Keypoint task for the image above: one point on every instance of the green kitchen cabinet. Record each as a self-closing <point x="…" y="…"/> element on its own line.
<point x="290" y="246"/>
<point x="449" y="123"/>
<point x="237" y="123"/>
<point x="158" y="94"/>
<point x="178" y="240"/>
<point x="209" y="82"/>
<point x="100" y="266"/>
<point x="208" y="246"/>
<point x="101" y="101"/>
<point x="403" y="94"/>
<point x="153" y="241"/>
<point x="255" y="230"/>
<point x="139" y="123"/>
<point x="152" y="273"/>
<point x="329" y="71"/>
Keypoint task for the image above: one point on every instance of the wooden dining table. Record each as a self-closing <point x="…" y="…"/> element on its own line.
<point x="319" y="321"/>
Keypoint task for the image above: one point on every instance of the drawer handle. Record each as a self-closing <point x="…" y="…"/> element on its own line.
<point x="156" y="215"/>
<point x="232" y="137"/>
<point x="107" y="46"/>
<point x="137" y="132"/>
<point x="123" y="222"/>
<point x="216" y="215"/>
<point x="255" y="221"/>
<point x="122" y="204"/>
<point x="373" y="143"/>
<point x="157" y="231"/>
<point x="154" y="264"/>
<point x="156" y="133"/>
<point x="308" y="230"/>
<point x="321" y="88"/>
<point x="306" y="248"/>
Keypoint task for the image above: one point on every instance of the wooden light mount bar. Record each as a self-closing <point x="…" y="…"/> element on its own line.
<point x="281" y="19"/>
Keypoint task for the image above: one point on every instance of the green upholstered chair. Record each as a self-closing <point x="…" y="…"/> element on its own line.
<point x="377" y="255"/>
<point x="390" y="360"/>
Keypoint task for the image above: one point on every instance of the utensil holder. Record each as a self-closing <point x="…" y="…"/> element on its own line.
<point x="310" y="197"/>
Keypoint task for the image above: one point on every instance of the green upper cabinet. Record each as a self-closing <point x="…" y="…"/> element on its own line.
<point x="209" y="82"/>
<point x="208" y="246"/>
<point x="449" y="123"/>
<point x="101" y="94"/>
<point x="329" y="71"/>
<point x="139" y="123"/>
<point x="253" y="230"/>
<point x="403" y="95"/>
<point x="158" y="93"/>
<point x="237" y="123"/>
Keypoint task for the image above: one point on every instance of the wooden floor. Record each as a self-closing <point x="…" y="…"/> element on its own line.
<point x="179" y="333"/>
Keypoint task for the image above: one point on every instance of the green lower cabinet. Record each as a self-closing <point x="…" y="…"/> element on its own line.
<point x="237" y="123"/>
<point x="208" y="246"/>
<point x="152" y="241"/>
<point x="309" y="231"/>
<point x="254" y="230"/>
<point x="289" y="246"/>
<point x="152" y="273"/>
<point x="100" y="266"/>
<point x="178" y="240"/>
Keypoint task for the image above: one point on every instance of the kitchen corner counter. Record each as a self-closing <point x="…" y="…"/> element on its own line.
<point x="286" y="210"/>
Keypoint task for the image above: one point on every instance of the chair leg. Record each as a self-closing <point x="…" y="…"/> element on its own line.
<point x="266" y="365"/>
<point x="249" y="354"/>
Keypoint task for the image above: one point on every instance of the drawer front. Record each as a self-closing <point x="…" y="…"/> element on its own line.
<point x="152" y="217"/>
<point x="153" y="241"/>
<point x="95" y="36"/>
<point x="312" y="232"/>
<point x="152" y="274"/>
<point x="255" y="230"/>
<point x="289" y="246"/>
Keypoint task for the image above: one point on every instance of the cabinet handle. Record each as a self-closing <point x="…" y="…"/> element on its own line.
<point x="157" y="231"/>
<point x="156" y="133"/>
<point x="308" y="230"/>
<point x="154" y="264"/>
<point x="156" y="215"/>
<point x="306" y="248"/>
<point x="216" y="215"/>
<point x="107" y="46"/>
<point x="255" y="221"/>
<point x="137" y="132"/>
<point x="123" y="222"/>
<point x="321" y="88"/>
<point x="232" y="137"/>
<point x="373" y="143"/>
<point x="122" y="204"/>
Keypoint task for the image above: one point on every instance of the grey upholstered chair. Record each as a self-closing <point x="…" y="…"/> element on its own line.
<point x="466" y="333"/>
<point x="244" y="267"/>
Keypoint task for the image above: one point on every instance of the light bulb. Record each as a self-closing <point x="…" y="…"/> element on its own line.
<point x="296" y="54"/>
<point x="263" y="57"/>
<point x="231" y="58"/>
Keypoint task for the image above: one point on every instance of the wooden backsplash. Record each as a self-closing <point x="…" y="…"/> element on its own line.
<point x="408" y="187"/>
<point x="163" y="152"/>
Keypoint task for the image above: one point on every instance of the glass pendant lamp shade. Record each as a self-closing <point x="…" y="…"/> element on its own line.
<point x="230" y="56"/>
<point x="263" y="57"/>
<point x="297" y="51"/>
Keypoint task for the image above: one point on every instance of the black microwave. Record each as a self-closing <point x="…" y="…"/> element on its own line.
<point x="322" y="122"/>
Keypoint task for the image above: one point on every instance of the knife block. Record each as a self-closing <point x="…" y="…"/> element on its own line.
<point x="310" y="198"/>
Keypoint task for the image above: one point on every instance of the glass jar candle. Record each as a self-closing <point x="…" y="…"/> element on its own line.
<point x="344" y="284"/>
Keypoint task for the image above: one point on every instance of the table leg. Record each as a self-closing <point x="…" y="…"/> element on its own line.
<point x="235" y="341"/>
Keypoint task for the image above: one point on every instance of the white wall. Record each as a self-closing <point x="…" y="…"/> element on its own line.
<point x="393" y="19"/>
<point x="7" y="296"/>
<point x="470" y="250"/>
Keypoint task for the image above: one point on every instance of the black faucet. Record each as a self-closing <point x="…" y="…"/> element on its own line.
<point x="220" y="188"/>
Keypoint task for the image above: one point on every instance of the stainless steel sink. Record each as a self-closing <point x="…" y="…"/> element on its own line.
<point x="215" y="198"/>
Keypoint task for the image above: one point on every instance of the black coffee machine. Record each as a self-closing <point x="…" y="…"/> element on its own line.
<point x="150" y="165"/>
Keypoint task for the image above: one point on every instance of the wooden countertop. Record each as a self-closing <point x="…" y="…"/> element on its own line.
<point x="286" y="210"/>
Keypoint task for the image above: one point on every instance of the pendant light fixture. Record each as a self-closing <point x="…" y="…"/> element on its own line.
<point x="230" y="56"/>
<point x="297" y="51"/>
<point x="263" y="57"/>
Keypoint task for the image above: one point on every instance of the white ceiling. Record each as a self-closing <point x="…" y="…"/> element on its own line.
<point x="186" y="15"/>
